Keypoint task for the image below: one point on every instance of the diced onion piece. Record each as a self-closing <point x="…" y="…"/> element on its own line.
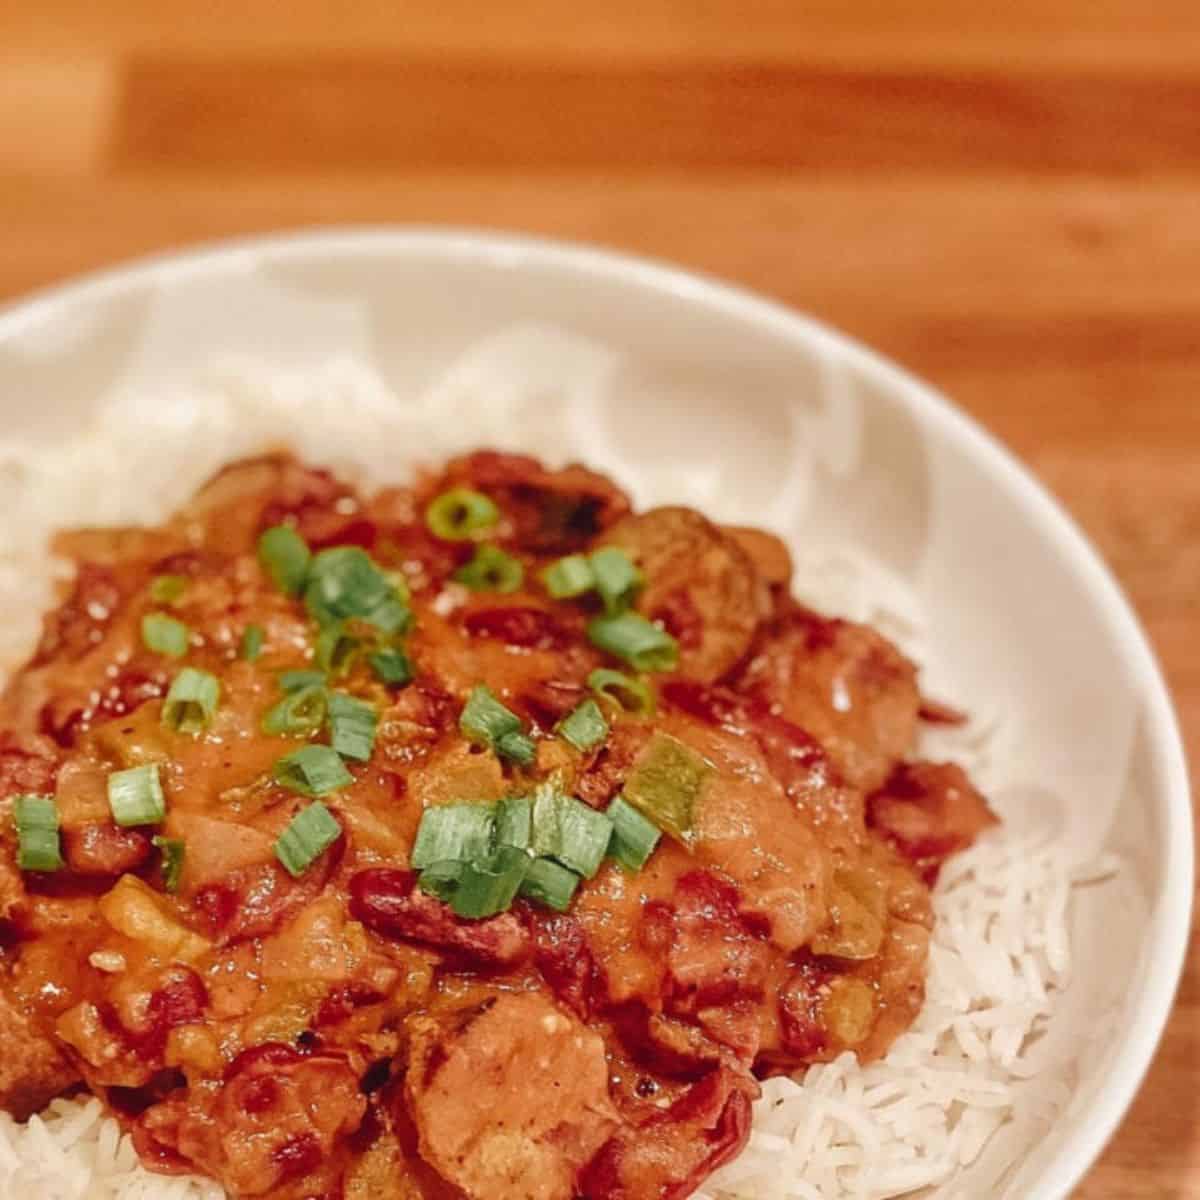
<point x="637" y="641"/>
<point x="284" y="556"/>
<point x="309" y="834"/>
<point x="164" y="635"/>
<point x="134" y="909"/>
<point x="633" y="837"/>
<point x="584" y="727"/>
<point x="312" y="771"/>
<point x="191" y="703"/>
<point x="666" y="783"/>
<point x="460" y="513"/>
<point x="36" y="822"/>
<point x="136" y="797"/>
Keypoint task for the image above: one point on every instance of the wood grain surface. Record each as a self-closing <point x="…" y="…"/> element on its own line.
<point x="1003" y="196"/>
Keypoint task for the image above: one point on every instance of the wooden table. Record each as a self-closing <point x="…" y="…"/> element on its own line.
<point x="1004" y="196"/>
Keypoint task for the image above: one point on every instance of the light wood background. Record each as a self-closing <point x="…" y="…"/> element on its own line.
<point x="1004" y="195"/>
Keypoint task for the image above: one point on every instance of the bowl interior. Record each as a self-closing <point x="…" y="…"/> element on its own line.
<point x="682" y="387"/>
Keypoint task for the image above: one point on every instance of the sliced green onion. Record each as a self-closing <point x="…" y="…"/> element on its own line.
<point x="309" y="834"/>
<point x="441" y="879"/>
<point x="665" y="785"/>
<point x="453" y="833"/>
<point x="639" y="642"/>
<point x="336" y="650"/>
<point x="491" y="570"/>
<point x="518" y="748"/>
<point x="550" y="884"/>
<point x="625" y="691"/>
<point x="568" y="831"/>
<point x="136" y="796"/>
<point x="617" y="579"/>
<point x="36" y="822"/>
<point x="569" y="577"/>
<point x="172" y="850"/>
<point x="166" y="589"/>
<point x="514" y="817"/>
<point x="352" y="724"/>
<point x="285" y="556"/>
<point x="459" y="514"/>
<point x="489" y="885"/>
<point x="485" y="720"/>
<point x="312" y="771"/>
<point x="293" y="681"/>
<point x="299" y="714"/>
<point x="633" y="837"/>
<point x="164" y="635"/>
<point x="344" y="582"/>
<point x="191" y="702"/>
<point x="391" y="666"/>
<point x="252" y="643"/>
<point x="584" y="727"/>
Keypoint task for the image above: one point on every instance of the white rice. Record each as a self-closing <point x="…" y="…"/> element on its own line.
<point x="980" y="1070"/>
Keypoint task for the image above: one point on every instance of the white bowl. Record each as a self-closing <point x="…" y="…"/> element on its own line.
<point x="795" y="425"/>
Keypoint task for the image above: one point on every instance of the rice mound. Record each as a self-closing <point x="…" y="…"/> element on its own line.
<point x="977" y="1072"/>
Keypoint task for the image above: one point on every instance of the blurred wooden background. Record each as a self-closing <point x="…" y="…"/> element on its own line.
<point x="1005" y="196"/>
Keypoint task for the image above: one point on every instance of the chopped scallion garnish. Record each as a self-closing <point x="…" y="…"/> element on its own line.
<point x="514" y="816"/>
<point x="633" y="837"/>
<point x="172" y="850"/>
<point x="485" y="720"/>
<point x="166" y="589"/>
<point x="309" y="834"/>
<point x="441" y="879"/>
<point x="336" y="650"/>
<point x="136" y="797"/>
<point x="617" y="579"/>
<point x="550" y="884"/>
<point x="453" y="833"/>
<point x="391" y="666"/>
<point x="312" y="771"/>
<point x="491" y="570"/>
<point x="568" y="831"/>
<point x="352" y="724"/>
<point x="165" y="635"/>
<point x="36" y="821"/>
<point x="625" y="691"/>
<point x="299" y="714"/>
<point x="488" y="886"/>
<point x="191" y="702"/>
<point x="344" y="583"/>
<point x="285" y="556"/>
<point x="665" y="785"/>
<point x="639" y="642"/>
<point x="252" y="643"/>
<point x="517" y="747"/>
<point x="569" y="577"/>
<point x="293" y="681"/>
<point x="459" y="514"/>
<point x="584" y="727"/>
